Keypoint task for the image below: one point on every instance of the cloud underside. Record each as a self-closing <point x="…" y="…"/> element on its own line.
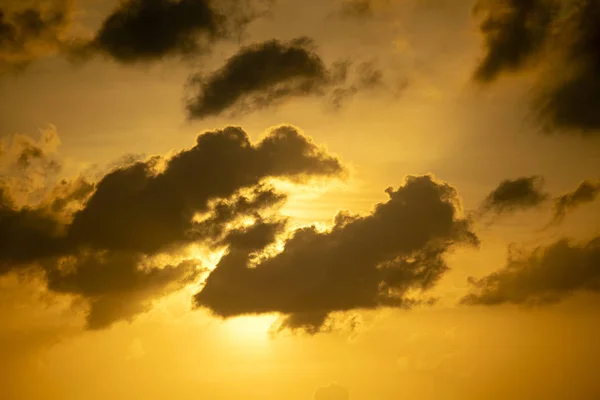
<point x="559" y="39"/>
<point x="105" y="250"/>
<point x="546" y="275"/>
<point x="362" y="262"/>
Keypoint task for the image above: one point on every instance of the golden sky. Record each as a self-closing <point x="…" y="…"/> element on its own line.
<point x="316" y="200"/>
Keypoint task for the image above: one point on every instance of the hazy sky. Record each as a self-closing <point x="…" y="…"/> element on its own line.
<point x="275" y="199"/>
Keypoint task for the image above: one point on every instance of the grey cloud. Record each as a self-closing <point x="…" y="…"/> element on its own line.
<point x="517" y="194"/>
<point x="362" y="262"/>
<point x="546" y="275"/>
<point x="586" y="192"/>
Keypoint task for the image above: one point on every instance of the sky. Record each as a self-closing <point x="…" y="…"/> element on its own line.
<point x="317" y="200"/>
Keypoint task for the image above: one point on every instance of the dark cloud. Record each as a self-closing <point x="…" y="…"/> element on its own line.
<point x="28" y="34"/>
<point x="518" y="194"/>
<point x="332" y="392"/>
<point x="559" y="38"/>
<point x="146" y="30"/>
<point x="362" y="262"/>
<point x="586" y="192"/>
<point x="136" y="208"/>
<point x="117" y="284"/>
<point x="569" y="98"/>
<point x="547" y="275"/>
<point x="262" y="75"/>
<point x="25" y="234"/>
<point x="514" y="32"/>
<point x="98" y="240"/>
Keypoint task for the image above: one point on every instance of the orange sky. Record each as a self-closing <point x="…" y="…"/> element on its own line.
<point x="196" y="207"/>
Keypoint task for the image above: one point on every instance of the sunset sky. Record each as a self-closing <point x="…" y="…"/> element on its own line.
<point x="303" y="200"/>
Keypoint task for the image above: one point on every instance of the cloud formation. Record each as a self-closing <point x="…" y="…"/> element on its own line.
<point x="586" y="192"/>
<point x="517" y="194"/>
<point x="546" y="275"/>
<point x="262" y="75"/>
<point x="362" y="262"/>
<point x="559" y="40"/>
<point x="27" y="34"/>
<point x="99" y="241"/>
<point x="514" y="32"/>
<point x="147" y="30"/>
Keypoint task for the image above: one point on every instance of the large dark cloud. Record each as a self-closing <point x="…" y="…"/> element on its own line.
<point x="97" y="240"/>
<point x="546" y="275"/>
<point x="516" y="194"/>
<point x="586" y="192"/>
<point x="261" y="75"/>
<point x="27" y="34"/>
<point x="559" y="38"/>
<point x="135" y="208"/>
<point x="146" y="30"/>
<point x="362" y="262"/>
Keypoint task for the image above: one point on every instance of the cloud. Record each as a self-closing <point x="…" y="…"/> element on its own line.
<point x="586" y="192"/>
<point x="558" y="40"/>
<point x="117" y="284"/>
<point x="362" y="262"/>
<point x="135" y="208"/>
<point x="518" y="194"/>
<point x="332" y="392"/>
<point x="148" y="30"/>
<point x="514" y="33"/>
<point x="27" y="34"/>
<point x="262" y="75"/>
<point x="546" y="275"/>
<point x="103" y="241"/>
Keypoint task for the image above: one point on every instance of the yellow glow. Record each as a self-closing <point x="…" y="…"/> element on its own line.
<point x="250" y="330"/>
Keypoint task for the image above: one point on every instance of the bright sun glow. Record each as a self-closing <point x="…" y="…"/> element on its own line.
<point x="250" y="330"/>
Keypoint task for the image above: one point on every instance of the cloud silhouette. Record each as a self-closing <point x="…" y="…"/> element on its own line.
<point x="559" y="39"/>
<point x="262" y="75"/>
<point x="514" y="33"/>
<point x="586" y="192"/>
<point x="516" y="194"/>
<point x="362" y="262"/>
<point x="148" y="30"/>
<point x="98" y="240"/>
<point x="546" y="275"/>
